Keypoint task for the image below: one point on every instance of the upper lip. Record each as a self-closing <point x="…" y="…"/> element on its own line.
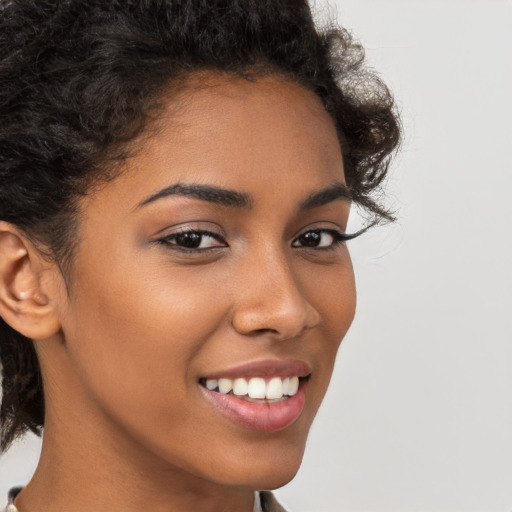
<point x="267" y="368"/>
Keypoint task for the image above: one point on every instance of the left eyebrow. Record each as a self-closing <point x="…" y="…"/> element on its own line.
<point x="327" y="195"/>
<point x="208" y="193"/>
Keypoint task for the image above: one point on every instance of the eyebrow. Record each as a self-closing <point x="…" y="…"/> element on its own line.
<point x="235" y="199"/>
<point x="327" y="195"/>
<point x="222" y="196"/>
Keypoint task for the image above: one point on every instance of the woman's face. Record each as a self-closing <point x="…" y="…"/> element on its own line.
<point x="215" y="256"/>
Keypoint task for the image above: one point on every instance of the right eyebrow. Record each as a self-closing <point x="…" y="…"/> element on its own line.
<point x="212" y="194"/>
<point x="334" y="192"/>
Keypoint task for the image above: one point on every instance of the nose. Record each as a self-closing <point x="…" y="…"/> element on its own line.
<point x="270" y="301"/>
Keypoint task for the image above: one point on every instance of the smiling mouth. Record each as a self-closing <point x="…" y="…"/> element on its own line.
<point x="256" y="389"/>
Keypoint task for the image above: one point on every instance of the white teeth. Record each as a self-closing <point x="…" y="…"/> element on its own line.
<point x="274" y="388"/>
<point x="286" y="384"/>
<point x="211" y="384"/>
<point x="225" y="386"/>
<point x="240" y="387"/>
<point x="293" y="387"/>
<point x="257" y="388"/>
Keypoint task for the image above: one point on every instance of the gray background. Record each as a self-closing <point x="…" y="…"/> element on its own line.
<point x="419" y="413"/>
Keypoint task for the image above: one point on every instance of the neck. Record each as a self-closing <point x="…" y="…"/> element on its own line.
<point x="81" y="471"/>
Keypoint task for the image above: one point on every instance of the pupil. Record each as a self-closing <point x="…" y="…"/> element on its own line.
<point x="310" y="239"/>
<point x="190" y="240"/>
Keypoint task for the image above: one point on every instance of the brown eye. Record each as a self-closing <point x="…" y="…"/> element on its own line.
<point x="189" y="240"/>
<point x="197" y="240"/>
<point x="310" y="239"/>
<point x="319" y="239"/>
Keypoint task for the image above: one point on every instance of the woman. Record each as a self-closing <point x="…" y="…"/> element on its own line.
<point x="176" y="179"/>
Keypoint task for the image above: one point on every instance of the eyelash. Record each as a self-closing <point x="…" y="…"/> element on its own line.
<point x="338" y="238"/>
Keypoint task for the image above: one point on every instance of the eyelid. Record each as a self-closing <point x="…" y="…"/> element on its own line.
<point x="338" y="234"/>
<point x="322" y="227"/>
<point x="183" y="230"/>
<point x="206" y="227"/>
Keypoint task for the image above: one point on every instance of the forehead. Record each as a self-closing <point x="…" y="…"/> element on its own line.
<point x="238" y="134"/>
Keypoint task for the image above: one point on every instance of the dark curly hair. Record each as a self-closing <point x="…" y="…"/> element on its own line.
<point x="81" y="79"/>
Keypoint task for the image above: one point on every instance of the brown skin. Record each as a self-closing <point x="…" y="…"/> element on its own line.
<point x="127" y="426"/>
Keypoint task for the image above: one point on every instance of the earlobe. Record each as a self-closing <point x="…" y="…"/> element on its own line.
<point x="24" y="304"/>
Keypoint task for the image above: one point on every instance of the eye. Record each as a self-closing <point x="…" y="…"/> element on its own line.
<point x="193" y="240"/>
<point x="320" y="239"/>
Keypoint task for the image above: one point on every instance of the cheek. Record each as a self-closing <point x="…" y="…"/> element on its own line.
<point x="142" y="332"/>
<point x="333" y="293"/>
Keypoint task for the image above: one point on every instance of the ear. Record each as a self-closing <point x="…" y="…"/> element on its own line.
<point x="27" y="298"/>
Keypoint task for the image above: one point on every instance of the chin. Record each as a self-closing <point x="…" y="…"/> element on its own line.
<point x="274" y="479"/>
<point x="269" y="468"/>
<point x="269" y="478"/>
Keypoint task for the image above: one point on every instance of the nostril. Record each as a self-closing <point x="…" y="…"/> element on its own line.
<point x="257" y="332"/>
<point x="280" y="321"/>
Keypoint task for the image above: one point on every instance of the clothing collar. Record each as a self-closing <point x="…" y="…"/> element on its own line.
<point x="257" y="502"/>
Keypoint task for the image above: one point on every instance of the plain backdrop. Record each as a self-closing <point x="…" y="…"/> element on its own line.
<point x="419" y="413"/>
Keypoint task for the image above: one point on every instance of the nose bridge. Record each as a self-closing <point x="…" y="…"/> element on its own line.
<point x="272" y="300"/>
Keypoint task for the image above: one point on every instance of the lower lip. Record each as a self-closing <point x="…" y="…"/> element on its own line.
<point x="262" y="416"/>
